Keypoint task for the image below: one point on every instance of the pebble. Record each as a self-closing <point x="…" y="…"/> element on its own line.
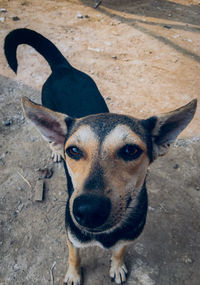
<point x="187" y="260"/>
<point x="2" y="156"/>
<point x="108" y="43"/>
<point x="176" y="36"/>
<point x="7" y="123"/>
<point x="79" y="16"/>
<point x="94" y="49"/>
<point x="2" y="19"/>
<point x="167" y="27"/>
<point x="16" y="267"/>
<point x="15" y="18"/>
<point x="20" y="207"/>
<point x="3" y="10"/>
<point x="198" y="188"/>
<point x="151" y="208"/>
<point x="114" y="57"/>
<point x="176" y="166"/>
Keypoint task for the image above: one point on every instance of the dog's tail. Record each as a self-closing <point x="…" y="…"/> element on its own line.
<point x="45" y="47"/>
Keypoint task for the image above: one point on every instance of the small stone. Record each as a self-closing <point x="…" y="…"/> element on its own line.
<point x="108" y="43"/>
<point x="108" y="98"/>
<point x="79" y="16"/>
<point x="176" y="166"/>
<point x="187" y="260"/>
<point x="16" y="267"/>
<point x="167" y="27"/>
<point x="114" y="57"/>
<point x="2" y="156"/>
<point x="20" y="207"/>
<point x="7" y="123"/>
<point x="2" y="19"/>
<point x="94" y="49"/>
<point x="198" y="188"/>
<point x="87" y="17"/>
<point x="3" y="10"/>
<point x="176" y="36"/>
<point x="16" y="18"/>
<point x="151" y="208"/>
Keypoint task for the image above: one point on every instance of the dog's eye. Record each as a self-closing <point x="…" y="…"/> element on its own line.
<point x="130" y="152"/>
<point x="74" y="152"/>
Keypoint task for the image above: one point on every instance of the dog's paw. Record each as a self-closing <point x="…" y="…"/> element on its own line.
<point x="56" y="152"/>
<point x="56" y="156"/>
<point x="118" y="272"/>
<point x="72" y="277"/>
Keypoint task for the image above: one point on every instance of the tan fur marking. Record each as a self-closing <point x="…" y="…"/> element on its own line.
<point x="119" y="254"/>
<point x="74" y="258"/>
<point x="120" y="136"/>
<point x="73" y="275"/>
<point x="85" y="139"/>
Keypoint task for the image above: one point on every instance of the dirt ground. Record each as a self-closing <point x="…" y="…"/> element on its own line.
<point x="145" y="58"/>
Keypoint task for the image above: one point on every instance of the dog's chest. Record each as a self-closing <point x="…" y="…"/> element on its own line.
<point x="80" y="244"/>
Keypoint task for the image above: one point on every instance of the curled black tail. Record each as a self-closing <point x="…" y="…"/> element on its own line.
<point x="25" y="36"/>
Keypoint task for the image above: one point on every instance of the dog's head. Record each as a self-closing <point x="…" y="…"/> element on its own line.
<point x="107" y="156"/>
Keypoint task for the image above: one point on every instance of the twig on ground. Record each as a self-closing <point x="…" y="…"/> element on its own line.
<point x="97" y="4"/>
<point x="24" y="179"/>
<point x="51" y="273"/>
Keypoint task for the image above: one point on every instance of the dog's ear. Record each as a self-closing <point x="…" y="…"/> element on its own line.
<point x="164" y="129"/>
<point x="52" y="125"/>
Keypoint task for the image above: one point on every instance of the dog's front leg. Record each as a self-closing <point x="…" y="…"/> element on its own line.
<point x="73" y="275"/>
<point x="118" y="270"/>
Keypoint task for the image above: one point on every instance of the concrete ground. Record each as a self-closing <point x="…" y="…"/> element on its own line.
<point x="145" y="59"/>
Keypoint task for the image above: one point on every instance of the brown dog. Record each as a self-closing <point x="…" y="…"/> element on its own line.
<point x="106" y="157"/>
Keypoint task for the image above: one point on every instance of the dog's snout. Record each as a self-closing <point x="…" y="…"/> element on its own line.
<point x="91" y="211"/>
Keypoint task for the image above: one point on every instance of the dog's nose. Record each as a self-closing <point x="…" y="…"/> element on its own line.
<point x="91" y="211"/>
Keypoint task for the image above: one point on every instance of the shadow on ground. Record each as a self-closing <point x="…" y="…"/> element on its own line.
<point x="165" y="15"/>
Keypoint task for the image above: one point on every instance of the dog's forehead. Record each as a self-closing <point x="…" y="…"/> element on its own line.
<point x="107" y="128"/>
<point x="83" y="135"/>
<point x="120" y="135"/>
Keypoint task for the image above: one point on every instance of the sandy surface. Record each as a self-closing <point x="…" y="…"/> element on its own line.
<point x="145" y="58"/>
